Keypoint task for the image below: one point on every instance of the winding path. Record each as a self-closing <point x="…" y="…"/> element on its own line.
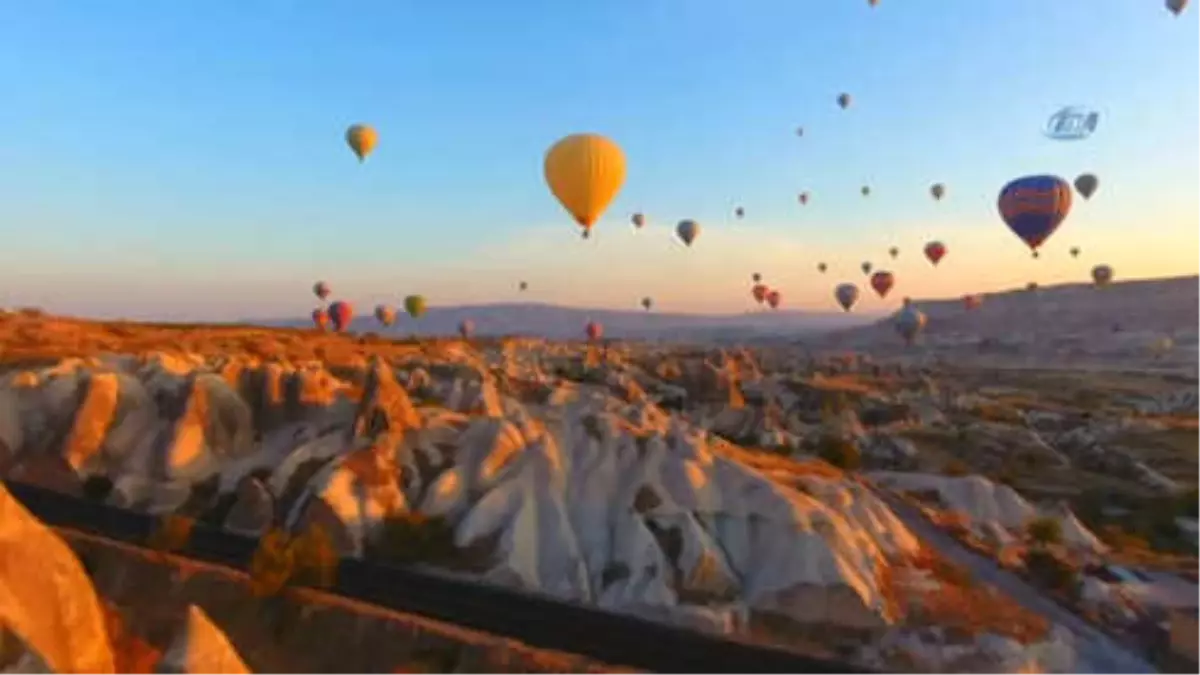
<point x="1098" y="653"/>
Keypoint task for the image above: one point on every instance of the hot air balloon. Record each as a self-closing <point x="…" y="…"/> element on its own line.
<point x="972" y="301"/>
<point x="937" y="190"/>
<point x="872" y="2"/>
<point x="774" y="297"/>
<point x="866" y="190"/>
<point x="1161" y="346"/>
<point x="803" y="198"/>
<point x="843" y="101"/>
<point x="414" y="305"/>
<point x="340" y="314"/>
<point x="846" y="295"/>
<point x="1074" y="251"/>
<point x="1034" y="206"/>
<point x="1176" y="7"/>
<point x="866" y="267"/>
<point x="759" y="291"/>
<point x="320" y="318"/>
<point x="466" y="328"/>
<point x="362" y="140"/>
<point x="935" y="251"/>
<point x="1086" y="184"/>
<point x="756" y="277"/>
<point x="1031" y="286"/>
<point x="523" y="286"/>
<point x="739" y="212"/>
<point x="1102" y="275"/>
<point x="799" y="131"/>
<point x="594" y="330"/>
<point x="385" y="315"/>
<point x="821" y="267"/>
<point x="638" y="220"/>
<point x="893" y="251"/>
<point x="910" y="321"/>
<point x="321" y="290"/>
<point x="882" y="282"/>
<point x="647" y="303"/>
<point x="585" y="172"/>
<point x="687" y="230"/>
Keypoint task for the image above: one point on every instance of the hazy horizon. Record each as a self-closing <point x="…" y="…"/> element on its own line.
<point x="187" y="159"/>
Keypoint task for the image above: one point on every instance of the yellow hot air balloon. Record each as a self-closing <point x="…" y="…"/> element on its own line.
<point x="585" y="172"/>
<point x="361" y="139"/>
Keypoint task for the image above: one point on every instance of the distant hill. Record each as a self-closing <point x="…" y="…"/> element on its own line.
<point x="1071" y="310"/>
<point x="555" y="322"/>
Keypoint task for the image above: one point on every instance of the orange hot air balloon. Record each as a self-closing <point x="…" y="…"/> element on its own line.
<point x="882" y="282"/>
<point x="759" y="292"/>
<point x="340" y="314"/>
<point x="362" y="139"/>
<point x="585" y="172"/>
<point x="774" y="298"/>
<point x="594" y="330"/>
<point x="935" y="251"/>
<point x="320" y="318"/>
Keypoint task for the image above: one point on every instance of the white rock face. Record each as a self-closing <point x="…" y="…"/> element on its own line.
<point x="578" y="493"/>
<point x="201" y="647"/>
<point x="994" y="511"/>
<point x="46" y="598"/>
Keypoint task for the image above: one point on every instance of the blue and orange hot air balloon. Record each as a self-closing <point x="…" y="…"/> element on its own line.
<point x="1034" y="206"/>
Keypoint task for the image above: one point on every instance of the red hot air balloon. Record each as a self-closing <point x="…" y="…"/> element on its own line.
<point x="774" y="298"/>
<point x="882" y="282"/>
<point x="759" y="292"/>
<point x="972" y="302"/>
<point x="340" y="313"/>
<point x="320" y="318"/>
<point x="935" y="251"/>
<point x="594" y="330"/>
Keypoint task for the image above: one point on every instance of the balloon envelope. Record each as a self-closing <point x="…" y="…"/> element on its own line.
<point x="340" y="314"/>
<point x="846" y="295"/>
<point x="1102" y="275"/>
<point x="687" y="230"/>
<point x="1034" y="206"/>
<point x="882" y="282"/>
<point x="1086" y="184"/>
<point x="909" y="323"/>
<point x="759" y="292"/>
<point x="935" y="251"/>
<point x="414" y="305"/>
<point x="362" y="139"/>
<point x="585" y="172"/>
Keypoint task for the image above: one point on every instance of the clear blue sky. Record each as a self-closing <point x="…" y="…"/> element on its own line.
<point x="186" y="158"/>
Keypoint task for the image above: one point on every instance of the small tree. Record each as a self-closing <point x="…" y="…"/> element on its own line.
<point x="1044" y="531"/>
<point x="840" y="452"/>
